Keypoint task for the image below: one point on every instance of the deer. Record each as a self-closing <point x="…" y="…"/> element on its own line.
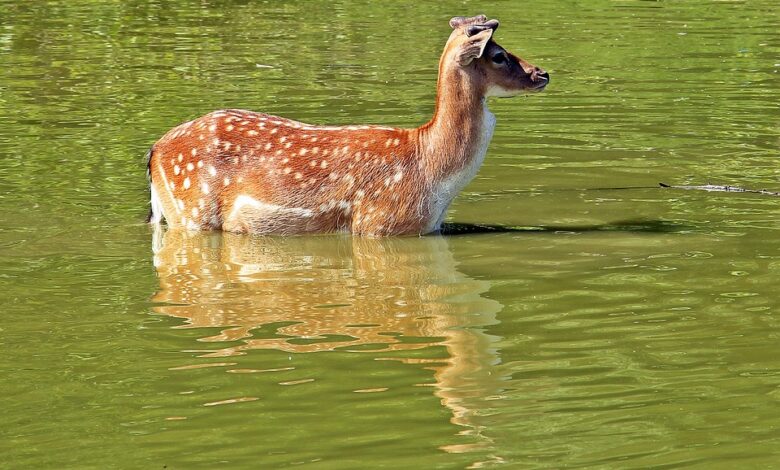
<point x="249" y="172"/>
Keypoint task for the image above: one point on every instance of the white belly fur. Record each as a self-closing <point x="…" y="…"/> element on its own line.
<point x="250" y="215"/>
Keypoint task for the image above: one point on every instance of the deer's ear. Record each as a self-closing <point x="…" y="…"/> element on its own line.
<point x="473" y="47"/>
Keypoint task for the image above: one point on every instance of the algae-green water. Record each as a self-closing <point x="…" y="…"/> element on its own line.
<point x="619" y="325"/>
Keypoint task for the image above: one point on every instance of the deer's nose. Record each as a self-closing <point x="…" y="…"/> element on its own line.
<point x="539" y="75"/>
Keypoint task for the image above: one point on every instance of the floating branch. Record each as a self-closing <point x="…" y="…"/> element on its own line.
<point x="730" y="189"/>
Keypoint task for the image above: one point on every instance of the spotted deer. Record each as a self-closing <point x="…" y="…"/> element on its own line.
<point x="242" y="171"/>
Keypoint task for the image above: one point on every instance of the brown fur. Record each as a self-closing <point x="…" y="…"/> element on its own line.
<point x="243" y="171"/>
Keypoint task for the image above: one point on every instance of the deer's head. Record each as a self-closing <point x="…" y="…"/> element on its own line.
<point x="472" y="50"/>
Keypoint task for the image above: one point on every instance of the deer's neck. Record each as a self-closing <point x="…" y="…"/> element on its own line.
<point x="460" y="130"/>
<point x="452" y="145"/>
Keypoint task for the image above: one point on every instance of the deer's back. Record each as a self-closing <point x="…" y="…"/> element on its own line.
<point x="252" y="172"/>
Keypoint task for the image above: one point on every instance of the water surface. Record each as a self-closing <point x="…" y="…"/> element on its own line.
<point x="617" y="324"/>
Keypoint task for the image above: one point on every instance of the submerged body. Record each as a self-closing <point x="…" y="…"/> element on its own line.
<point x="242" y="171"/>
<point x="363" y="179"/>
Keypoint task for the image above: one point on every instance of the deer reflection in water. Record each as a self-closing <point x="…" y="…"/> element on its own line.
<point x="335" y="293"/>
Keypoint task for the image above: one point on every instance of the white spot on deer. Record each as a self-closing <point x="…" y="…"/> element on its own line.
<point x="226" y="181"/>
<point x="285" y="160"/>
<point x="216" y="142"/>
<point x="201" y="137"/>
<point x="398" y="176"/>
<point x="180" y="203"/>
<point x="190" y="167"/>
<point x="187" y="183"/>
<point x="229" y="127"/>
<point x="388" y="142"/>
<point x="176" y="170"/>
<point x="298" y="175"/>
<point x="315" y="150"/>
<point x="200" y="163"/>
<point x="212" y="170"/>
<point x="180" y="157"/>
<point x="212" y="128"/>
<point x="204" y="187"/>
<point x="396" y="142"/>
<point x="349" y="179"/>
<point x="201" y="203"/>
<point x="195" y="212"/>
<point x="288" y="145"/>
<point x="283" y="139"/>
<point x="226" y="145"/>
<point x="323" y="164"/>
<point x="287" y="170"/>
<point x="313" y="163"/>
<point x="274" y="130"/>
<point x="267" y="146"/>
<point x="303" y="151"/>
<point x="332" y="176"/>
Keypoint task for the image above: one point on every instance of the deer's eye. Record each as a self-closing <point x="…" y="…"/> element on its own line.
<point x="499" y="58"/>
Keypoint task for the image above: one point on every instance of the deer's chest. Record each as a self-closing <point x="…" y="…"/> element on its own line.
<point x="447" y="189"/>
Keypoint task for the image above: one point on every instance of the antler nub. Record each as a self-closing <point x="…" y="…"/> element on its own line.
<point x="459" y="21"/>
<point x="478" y="28"/>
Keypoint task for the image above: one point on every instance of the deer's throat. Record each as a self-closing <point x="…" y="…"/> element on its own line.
<point x="457" y="159"/>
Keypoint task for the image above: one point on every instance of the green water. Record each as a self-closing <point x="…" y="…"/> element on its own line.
<point x="616" y="328"/>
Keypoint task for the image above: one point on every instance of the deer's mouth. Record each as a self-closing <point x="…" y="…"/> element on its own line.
<point x="539" y="80"/>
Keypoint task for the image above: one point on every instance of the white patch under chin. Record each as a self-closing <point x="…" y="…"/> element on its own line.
<point x="501" y="92"/>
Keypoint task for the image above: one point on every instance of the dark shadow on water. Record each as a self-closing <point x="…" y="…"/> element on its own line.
<point x="631" y="226"/>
